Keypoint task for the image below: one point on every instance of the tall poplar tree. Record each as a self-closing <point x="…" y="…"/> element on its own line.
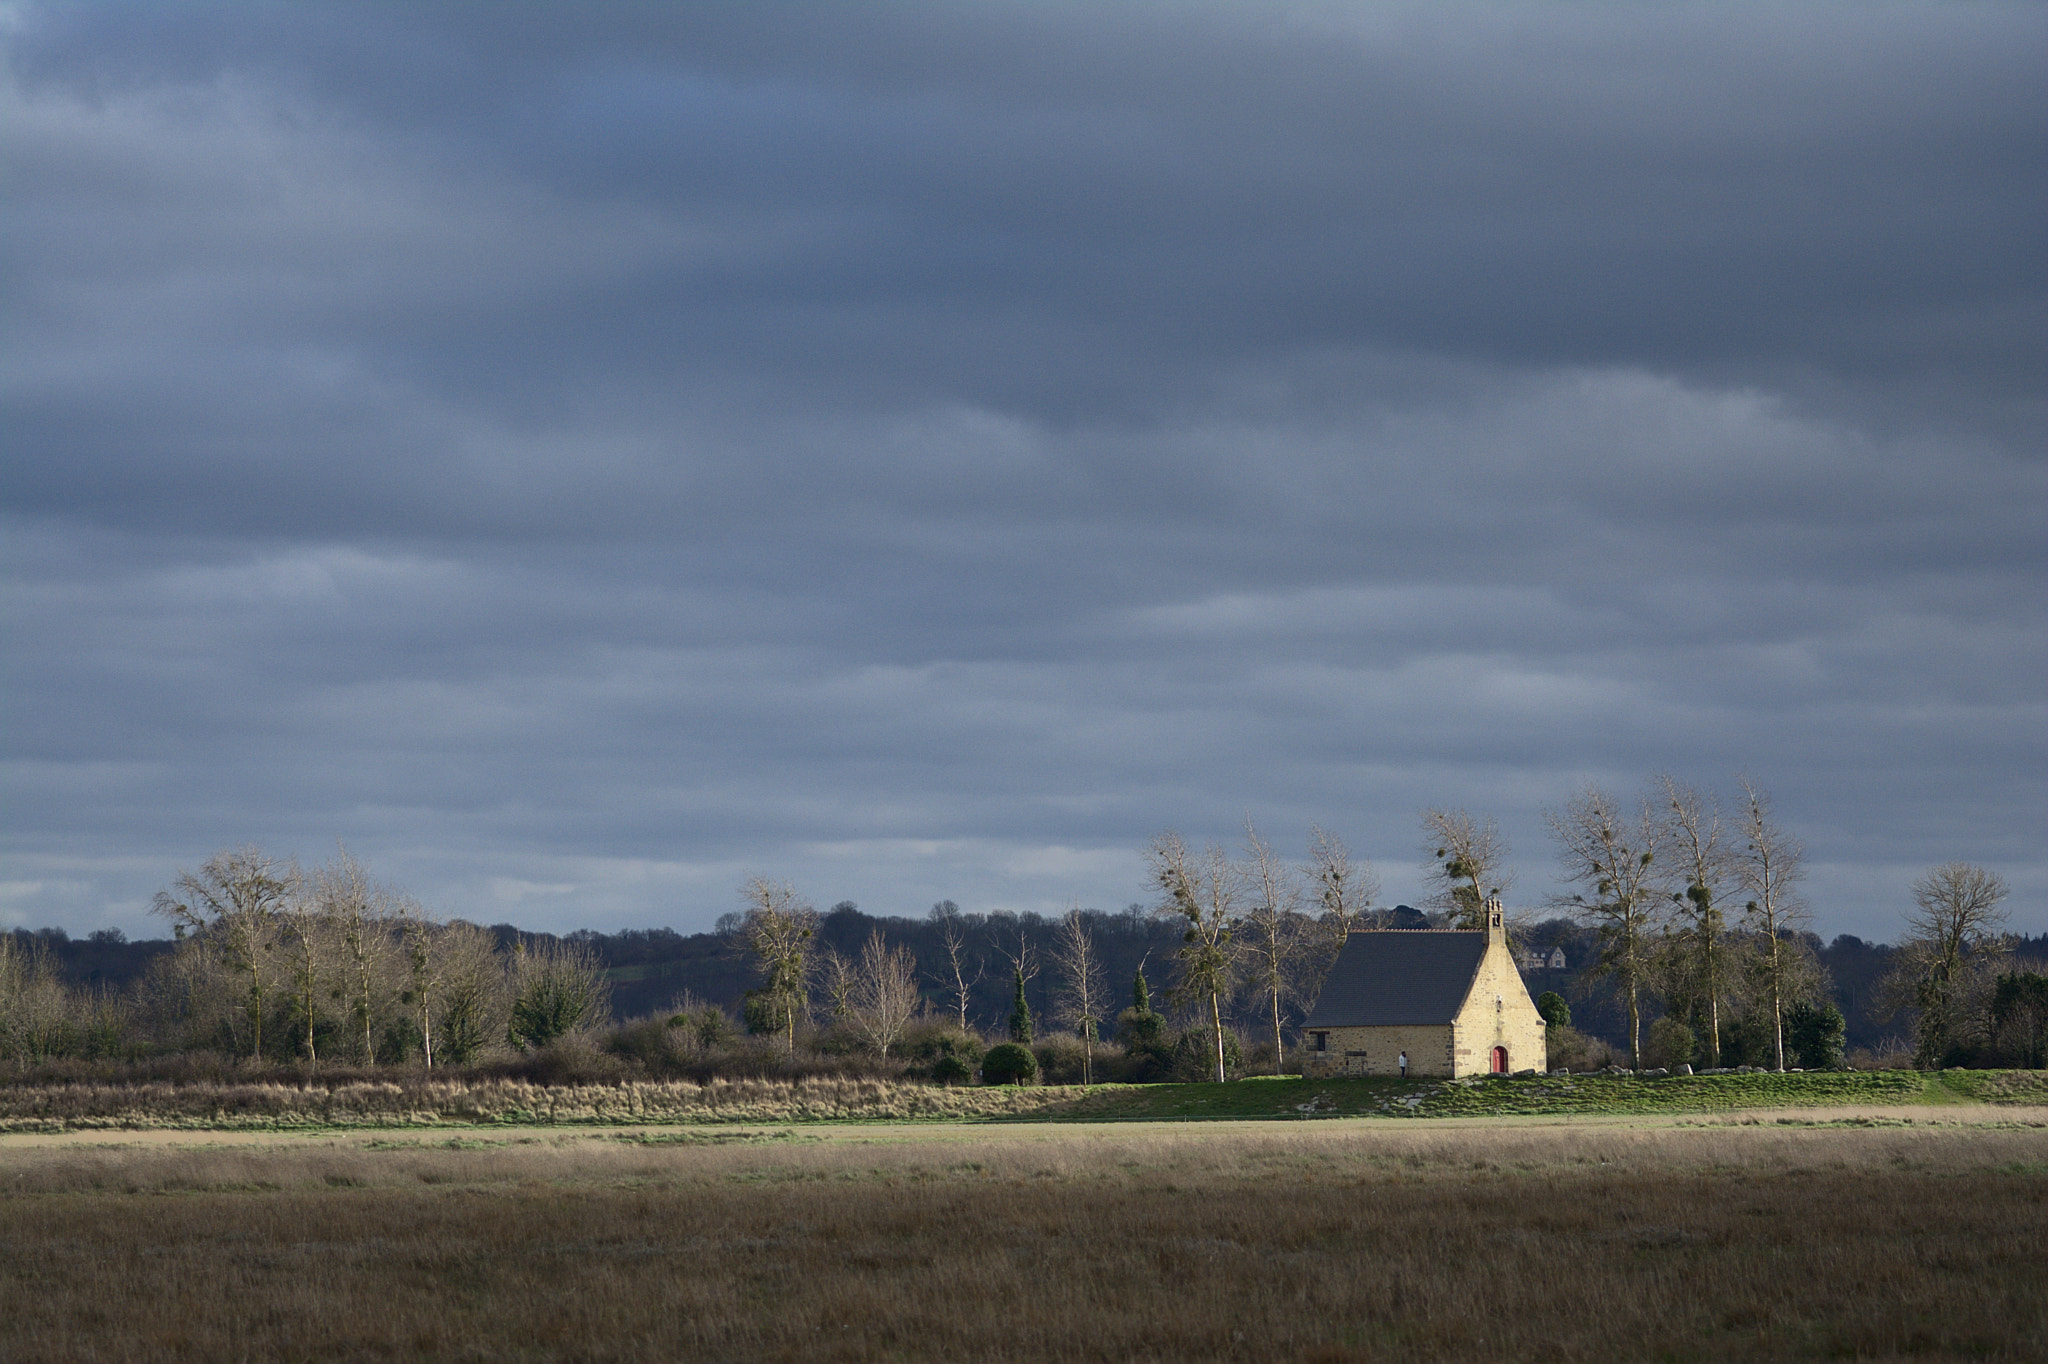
<point x="1611" y="853"/>
<point x="1202" y="891"/>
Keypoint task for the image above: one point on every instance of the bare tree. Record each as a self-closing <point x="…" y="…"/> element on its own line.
<point x="1083" y="994"/>
<point x="1343" y="890"/>
<point x="37" y="1010"/>
<point x="424" y="970"/>
<point x="1610" y="853"/>
<point x="778" y="928"/>
<point x="1955" y="911"/>
<point x="884" y="997"/>
<point x="232" y="904"/>
<point x="1273" y="944"/>
<point x="305" y="941"/>
<point x="1767" y="870"/>
<point x="359" y="915"/>
<point x="1695" y="851"/>
<point x="835" y="976"/>
<point x="1203" y="892"/>
<point x="1024" y="968"/>
<point x="475" y="991"/>
<point x="960" y="978"/>
<point x="1023" y="957"/>
<point x="1468" y="865"/>
<point x="189" y="1000"/>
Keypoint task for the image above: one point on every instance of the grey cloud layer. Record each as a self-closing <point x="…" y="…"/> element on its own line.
<point x="573" y="457"/>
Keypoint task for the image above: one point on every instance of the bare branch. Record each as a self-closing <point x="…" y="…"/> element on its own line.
<point x="1083" y="995"/>
<point x="1467" y="863"/>
<point x="1611" y="853"/>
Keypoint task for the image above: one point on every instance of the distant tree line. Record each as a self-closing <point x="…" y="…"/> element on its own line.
<point x="1686" y="937"/>
<point x="1697" y="930"/>
<point x="274" y="964"/>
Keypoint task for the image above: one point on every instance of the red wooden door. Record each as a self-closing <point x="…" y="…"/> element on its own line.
<point x="1500" y="1060"/>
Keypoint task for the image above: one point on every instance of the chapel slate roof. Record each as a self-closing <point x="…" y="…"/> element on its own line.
<point x="1399" y="976"/>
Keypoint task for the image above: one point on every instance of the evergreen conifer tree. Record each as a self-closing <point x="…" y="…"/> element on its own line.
<point x="1020" y="1016"/>
<point x="1143" y="1032"/>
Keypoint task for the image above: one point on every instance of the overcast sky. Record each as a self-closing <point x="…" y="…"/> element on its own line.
<point x="578" y="455"/>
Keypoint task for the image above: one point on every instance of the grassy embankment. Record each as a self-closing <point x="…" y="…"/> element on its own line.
<point x="418" y="1101"/>
<point x="1258" y="1242"/>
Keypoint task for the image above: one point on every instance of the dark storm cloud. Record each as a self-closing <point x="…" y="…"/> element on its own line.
<point x="574" y="453"/>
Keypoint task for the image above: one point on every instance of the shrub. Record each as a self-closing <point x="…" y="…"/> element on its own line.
<point x="654" y="1043"/>
<point x="1748" y="1041"/>
<point x="942" y="1052"/>
<point x="557" y="990"/>
<point x="1140" y="1031"/>
<point x="1814" y="1035"/>
<point x="2019" y="1019"/>
<point x="570" y="1060"/>
<point x="761" y="1014"/>
<point x="1671" y="1043"/>
<point x="707" y="1023"/>
<point x="1147" y="1055"/>
<point x="1194" y="1055"/>
<point x="1571" y="1049"/>
<point x="1009" y="1064"/>
<point x="1060" y="1059"/>
<point x="1556" y="1013"/>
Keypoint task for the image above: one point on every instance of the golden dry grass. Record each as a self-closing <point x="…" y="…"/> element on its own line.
<point x="417" y="1101"/>
<point x="1258" y="1242"/>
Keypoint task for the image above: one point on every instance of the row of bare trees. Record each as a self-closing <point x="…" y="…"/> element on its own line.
<point x="874" y="993"/>
<point x="1654" y="878"/>
<point x="333" y="965"/>
<point x="1259" y="931"/>
<point x="1657" y="875"/>
<point x="41" y="1016"/>
<point x="1697" y="902"/>
<point x="1256" y="926"/>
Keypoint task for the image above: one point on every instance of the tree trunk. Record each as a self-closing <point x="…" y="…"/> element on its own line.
<point x="256" y="1015"/>
<point x="363" y="1002"/>
<point x="1777" y="1006"/>
<point x="306" y="1004"/>
<point x="1216" y="1024"/>
<point x="1279" y="1046"/>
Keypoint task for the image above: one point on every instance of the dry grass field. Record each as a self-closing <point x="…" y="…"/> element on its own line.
<point x="1861" y="1237"/>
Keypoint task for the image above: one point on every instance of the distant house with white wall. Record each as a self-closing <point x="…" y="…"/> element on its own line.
<point x="1452" y="1000"/>
<point x="1536" y="959"/>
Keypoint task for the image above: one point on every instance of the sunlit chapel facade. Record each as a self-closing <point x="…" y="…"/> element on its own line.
<point x="1452" y="1001"/>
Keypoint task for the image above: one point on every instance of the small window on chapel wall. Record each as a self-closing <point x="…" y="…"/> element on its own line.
<point x="1322" y="1040"/>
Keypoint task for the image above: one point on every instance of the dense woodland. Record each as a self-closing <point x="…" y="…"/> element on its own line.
<point x="329" y="970"/>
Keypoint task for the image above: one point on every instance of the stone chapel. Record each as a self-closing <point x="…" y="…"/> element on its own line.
<point x="1451" y="999"/>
